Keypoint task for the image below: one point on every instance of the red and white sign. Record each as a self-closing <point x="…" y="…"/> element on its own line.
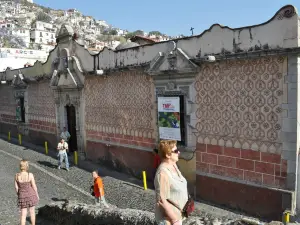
<point x="169" y="118"/>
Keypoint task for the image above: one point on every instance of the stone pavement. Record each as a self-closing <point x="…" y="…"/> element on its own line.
<point x="121" y="189"/>
<point x="49" y="189"/>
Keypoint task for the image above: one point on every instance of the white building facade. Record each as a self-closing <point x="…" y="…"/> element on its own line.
<point x="44" y="34"/>
<point x="24" y="34"/>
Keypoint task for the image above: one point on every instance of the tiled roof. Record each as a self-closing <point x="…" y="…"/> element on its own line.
<point x="134" y="38"/>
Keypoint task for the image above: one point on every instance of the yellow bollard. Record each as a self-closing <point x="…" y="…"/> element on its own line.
<point x="20" y="139"/>
<point x="46" y="147"/>
<point x="145" y="180"/>
<point x="9" y="136"/>
<point x="75" y="158"/>
<point x="286" y="217"/>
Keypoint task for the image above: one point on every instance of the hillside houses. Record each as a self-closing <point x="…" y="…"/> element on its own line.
<point x="36" y="26"/>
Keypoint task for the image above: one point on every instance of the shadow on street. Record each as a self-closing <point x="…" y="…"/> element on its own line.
<point x="48" y="164"/>
<point x="59" y="200"/>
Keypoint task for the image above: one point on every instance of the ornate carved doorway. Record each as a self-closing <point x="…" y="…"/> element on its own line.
<point x="71" y="119"/>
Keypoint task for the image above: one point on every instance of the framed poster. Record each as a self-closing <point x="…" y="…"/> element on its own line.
<point x="169" y="118"/>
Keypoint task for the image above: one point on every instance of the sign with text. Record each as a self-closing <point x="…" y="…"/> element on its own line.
<point x="169" y="118"/>
<point x="17" y="51"/>
<point x="22" y="53"/>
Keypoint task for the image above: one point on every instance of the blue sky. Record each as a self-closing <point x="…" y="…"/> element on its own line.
<point x="174" y="17"/>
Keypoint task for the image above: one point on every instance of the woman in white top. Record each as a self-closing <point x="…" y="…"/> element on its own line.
<point x="170" y="186"/>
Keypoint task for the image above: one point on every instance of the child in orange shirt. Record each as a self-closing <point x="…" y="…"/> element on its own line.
<point x="99" y="190"/>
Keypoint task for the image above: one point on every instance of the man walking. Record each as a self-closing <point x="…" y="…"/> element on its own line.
<point x="99" y="190"/>
<point x="66" y="136"/>
<point x="62" y="148"/>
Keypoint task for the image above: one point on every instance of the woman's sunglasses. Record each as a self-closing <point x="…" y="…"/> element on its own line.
<point x="175" y="151"/>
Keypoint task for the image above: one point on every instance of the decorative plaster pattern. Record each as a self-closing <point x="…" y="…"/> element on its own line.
<point x="41" y="104"/>
<point x="120" y="104"/>
<point x="239" y="103"/>
<point x="287" y="12"/>
<point x="8" y="104"/>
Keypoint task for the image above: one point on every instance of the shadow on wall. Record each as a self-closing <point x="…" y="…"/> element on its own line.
<point x="133" y="161"/>
<point x="122" y="159"/>
<point x="39" y="138"/>
<point x="112" y="162"/>
<point x="5" y="128"/>
<point x="187" y="166"/>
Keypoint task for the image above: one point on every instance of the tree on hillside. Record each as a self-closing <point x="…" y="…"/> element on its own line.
<point x="103" y="38"/>
<point x="46" y="10"/>
<point x="10" y="41"/>
<point x="39" y="47"/>
<point x="131" y="34"/>
<point x="156" y="33"/>
<point x="120" y="39"/>
<point x="102" y="28"/>
<point x="31" y="46"/>
<point x="113" y="32"/>
<point x="43" y="17"/>
<point x="26" y="3"/>
<point x="81" y="23"/>
<point x="107" y="38"/>
<point x="105" y="32"/>
<point x="139" y="32"/>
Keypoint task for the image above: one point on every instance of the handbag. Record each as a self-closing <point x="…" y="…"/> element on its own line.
<point x="188" y="208"/>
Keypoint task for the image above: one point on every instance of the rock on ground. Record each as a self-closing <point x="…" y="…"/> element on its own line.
<point x="77" y="213"/>
<point x="73" y="213"/>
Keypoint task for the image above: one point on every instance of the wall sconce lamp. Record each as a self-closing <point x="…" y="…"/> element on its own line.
<point x="99" y="72"/>
<point x="191" y="107"/>
<point x="192" y="127"/>
<point x="208" y="58"/>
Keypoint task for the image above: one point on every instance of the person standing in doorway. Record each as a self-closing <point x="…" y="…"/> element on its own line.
<point x="65" y="135"/>
<point x="62" y="148"/>
<point x="26" y="189"/>
<point x="99" y="190"/>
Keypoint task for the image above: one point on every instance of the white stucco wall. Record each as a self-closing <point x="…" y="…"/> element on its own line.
<point x="279" y="32"/>
<point x="282" y="31"/>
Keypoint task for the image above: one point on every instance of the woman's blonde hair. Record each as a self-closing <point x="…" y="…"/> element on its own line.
<point x="165" y="147"/>
<point x="24" y="166"/>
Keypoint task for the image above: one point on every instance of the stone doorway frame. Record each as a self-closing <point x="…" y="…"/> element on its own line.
<point x="65" y="98"/>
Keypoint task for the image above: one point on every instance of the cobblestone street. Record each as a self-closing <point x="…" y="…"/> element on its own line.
<point x="49" y="189"/>
<point x="121" y="190"/>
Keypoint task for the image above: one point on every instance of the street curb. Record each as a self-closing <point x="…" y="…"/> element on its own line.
<point x="86" y="165"/>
